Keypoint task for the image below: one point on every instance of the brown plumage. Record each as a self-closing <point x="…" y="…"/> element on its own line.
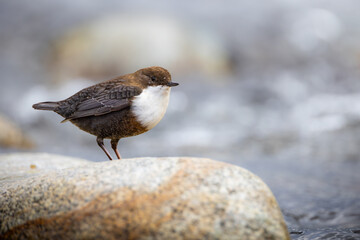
<point x="106" y="109"/>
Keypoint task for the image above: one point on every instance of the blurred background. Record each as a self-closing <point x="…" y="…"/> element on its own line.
<point x="270" y="86"/>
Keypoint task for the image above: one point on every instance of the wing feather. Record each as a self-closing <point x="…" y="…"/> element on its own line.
<point x="105" y="101"/>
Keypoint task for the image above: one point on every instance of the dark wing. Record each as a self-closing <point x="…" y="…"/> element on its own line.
<point x="104" y="100"/>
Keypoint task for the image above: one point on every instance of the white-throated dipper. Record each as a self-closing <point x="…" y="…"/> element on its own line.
<point x="122" y="107"/>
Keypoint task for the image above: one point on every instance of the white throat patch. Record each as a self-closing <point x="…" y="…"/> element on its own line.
<point x="150" y="106"/>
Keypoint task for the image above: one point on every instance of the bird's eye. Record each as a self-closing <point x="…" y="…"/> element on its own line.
<point x="153" y="78"/>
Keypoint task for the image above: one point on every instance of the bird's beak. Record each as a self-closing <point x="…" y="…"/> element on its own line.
<point x="172" y="84"/>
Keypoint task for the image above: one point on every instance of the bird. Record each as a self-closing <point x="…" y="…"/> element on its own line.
<point x="122" y="107"/>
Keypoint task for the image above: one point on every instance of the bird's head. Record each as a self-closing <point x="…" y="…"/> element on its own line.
<point x="156" y="76"/>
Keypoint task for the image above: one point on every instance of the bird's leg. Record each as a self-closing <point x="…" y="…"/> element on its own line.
<point x="114" y="143"/>
<point x="100" y="142"/>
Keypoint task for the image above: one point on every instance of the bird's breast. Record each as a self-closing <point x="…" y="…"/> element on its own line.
<point x="150" y="106"/>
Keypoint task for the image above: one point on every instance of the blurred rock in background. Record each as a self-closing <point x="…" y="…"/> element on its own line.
<point x="274" y="85"/>
<point x="11" y="136"/>
<point x="124" y="44"/>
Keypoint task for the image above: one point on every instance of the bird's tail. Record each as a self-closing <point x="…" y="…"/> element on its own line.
<point x="46" y="105"/>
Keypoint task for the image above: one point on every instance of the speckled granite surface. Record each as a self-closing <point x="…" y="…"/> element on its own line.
<point x="143" y="198"/>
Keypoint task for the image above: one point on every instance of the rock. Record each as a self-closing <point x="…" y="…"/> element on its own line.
<point x="19" y="165"/>
<point x="142" y="198"/>
<point x="118" y="45"/>
<point x="13" y="136"/>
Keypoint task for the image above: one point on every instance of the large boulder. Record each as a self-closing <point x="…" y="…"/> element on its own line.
<point x="22" y="165"/>
<point x="142" y="198"/>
